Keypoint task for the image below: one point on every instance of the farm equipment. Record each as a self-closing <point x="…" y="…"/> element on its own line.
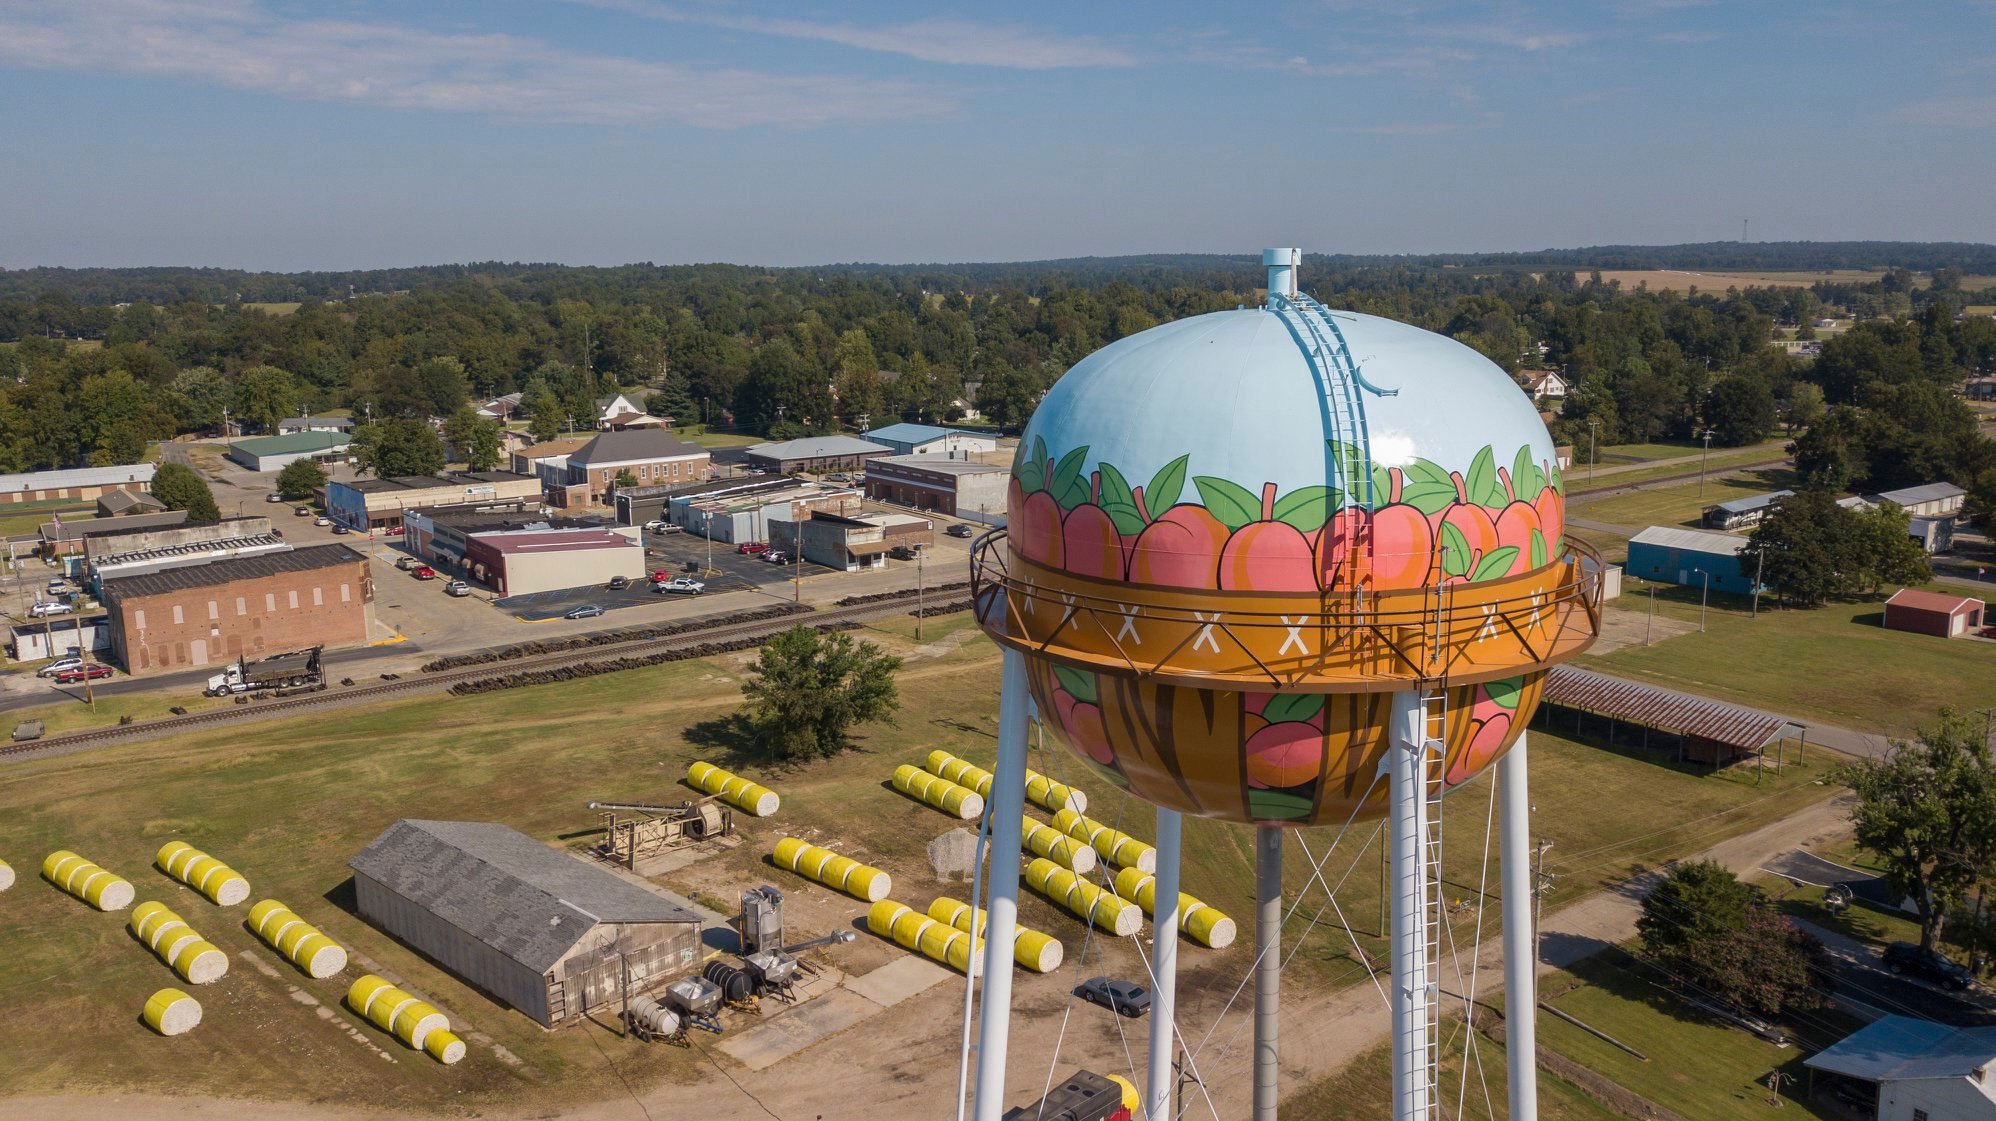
<point x="659" y="828"/>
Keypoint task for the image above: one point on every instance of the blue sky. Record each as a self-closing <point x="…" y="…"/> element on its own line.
<point x="344" y="134"/>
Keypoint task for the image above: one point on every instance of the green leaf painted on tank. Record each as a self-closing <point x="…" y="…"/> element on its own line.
<point x="1228" y="501"/>
<point x="1115" y="488"/>
<point x="1277" y="805"/>
<point x="1504" y="693"/>
<point x="1353" y="471"/>
<point x="1427" y="487"/>
<point x="1538" y="549"/>
<point x="1495" y="563"/>
<point x="1455" y="551"/>
<point x="1069" y="488"/>
<point x="1032" y="470"/>
<point x="1558" y="479"/>
<point x="1129" y="523"/>
<point x="1526" y="478"/>
<point x="1079" y="684"/>
<point x="1484" y="487"/>
<point x="1166" y="486"/>
<point x="1293" y="707"/>
<point x="1308" y="508"/>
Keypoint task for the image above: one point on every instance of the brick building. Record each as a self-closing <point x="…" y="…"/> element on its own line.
<point x="939" y="483"/>
<point x="184" y="618"/>
<point x="377" y="504"/>
<point x="649" y="455"/>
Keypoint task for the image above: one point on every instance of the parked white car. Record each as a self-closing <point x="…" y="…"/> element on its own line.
<point x="679" y="585"/>
<point x="50" y="608"/>
<point x="60" y="665"/>
<point x="656" y="524"/>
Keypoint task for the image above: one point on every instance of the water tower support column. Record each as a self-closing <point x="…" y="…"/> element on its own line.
<point x="1267" y="966"/>
<point x="1164" y="966"/>
<point x="1007" y="807"/>
<point x="1520" y="949"/>
<point x="1411" y="985"/>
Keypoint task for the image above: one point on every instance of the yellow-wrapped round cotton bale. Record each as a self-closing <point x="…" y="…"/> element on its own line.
<point x="1114" y="845"/>
<point x="960" y="771"/>
<point x="6" y="875"/>
<point x="1053" y="796"/>
<point x="96" y="886"/>
<point x="960" y="802"/>
<point x="733" y="789"/>
<point x="834" y="871"/>
<point x="54" y="861"/>
<point x="415" y="1021"/>
<point x="1083" y="899"/>
<point x="261" y="912"/>
<point x="172" y="1012"/>
<point x="293" y="937"/>
<point x="387" y="1006"/>
<point x="365" y="989"/>
<point x="199" y="962"/>
<point x="1196" y="920"/>
<point x="444" y="1047"/>
<point x="1070" y="853"/>
<point x="319" y="956"/>
<point x="1038" y="952"/>
<point x="144" y="912"/>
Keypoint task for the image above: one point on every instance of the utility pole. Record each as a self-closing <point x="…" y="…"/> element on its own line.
<point x="1650" y="628"/>
<point x="1541" y="887"/>
<point x="1703" y="598"/>
<point x="1592" y="452"/>
<point x="1760" y="563"/>
<point x="918" y="595"/>
<point x="1702" y="457"/>
<point x="710" y="544"/>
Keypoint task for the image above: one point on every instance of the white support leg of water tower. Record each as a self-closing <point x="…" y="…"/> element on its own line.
<point x="1007" y="807"/>
<point x="1267" y="969"/>
<point x="1413" y="1088"/>
<point x="1164" y="967"/>
<point x="1520" y="940"/>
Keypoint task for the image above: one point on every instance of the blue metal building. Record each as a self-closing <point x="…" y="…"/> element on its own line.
<point x="1672" y="555"/>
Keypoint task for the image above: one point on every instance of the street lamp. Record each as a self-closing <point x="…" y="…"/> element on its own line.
<point x="1702" y="456"/>
<point x="1703" y="597"/>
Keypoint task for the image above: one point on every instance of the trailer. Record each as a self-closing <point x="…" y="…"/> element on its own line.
<point x="298" y="671"/>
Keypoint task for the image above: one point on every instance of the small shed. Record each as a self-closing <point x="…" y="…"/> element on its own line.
<point x="1909" y="1069"/>
<point x="1935" y="613"/>
<point x="545" y="933"/>
<point x="1743" y="511"/>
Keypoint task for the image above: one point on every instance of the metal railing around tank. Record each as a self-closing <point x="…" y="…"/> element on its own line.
<point x="1362" y="639"/>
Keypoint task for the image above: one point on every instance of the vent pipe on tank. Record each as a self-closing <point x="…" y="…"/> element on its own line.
<point x="1282" y="265"/>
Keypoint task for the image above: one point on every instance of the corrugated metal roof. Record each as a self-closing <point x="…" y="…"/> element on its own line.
<point x="78" y="477"/>
<point x="82" y="528"/>
<point x="941" y="463"/>
<point x="1694" y="540"/>
<point x="1913" y="496"/>
<point x="1929" y="601"/>
<point x="228" y="571"/>
<point x="1750" y="504"/>
<point x="292" y="444"/>
<point x="816" y="447"/>
<point x="553" y="540"/>
<point x="1663" y="709"/>
<point x="502" y="887"/>
<point x="1901" y="1048"/>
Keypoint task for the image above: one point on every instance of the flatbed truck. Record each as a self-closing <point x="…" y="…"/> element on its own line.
<point x="299" y="671"/>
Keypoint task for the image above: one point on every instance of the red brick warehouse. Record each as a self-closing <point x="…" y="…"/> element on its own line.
<point x="249" y="606"/>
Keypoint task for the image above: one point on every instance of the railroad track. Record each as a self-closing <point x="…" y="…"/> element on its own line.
<point x="334" y="696"/>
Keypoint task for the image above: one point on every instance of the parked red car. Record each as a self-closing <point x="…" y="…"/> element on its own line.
<point x="423" y="572"/>
<point x="661" y="574"/>
<point x="750" y="548"/>
<point x="91" y="672"/>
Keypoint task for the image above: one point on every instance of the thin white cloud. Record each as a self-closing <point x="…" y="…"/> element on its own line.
<point x="1219" y="48"/>
<point x="1686" y="37"/>
<point x="1503" y="34"/>
<point x="239" y="45"/>
<point x="1949" y="112"/>
<point x="937" y="39"/>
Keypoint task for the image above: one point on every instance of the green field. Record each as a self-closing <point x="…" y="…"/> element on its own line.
<point x="1681" y="504"/>
<point x="288" y="802"/>
<point x="1580" y="481"/>
<point x="1836" y="663"/>
<point x="1363" y="1090"/>
<point x="1696" y="1065"/>
<point x="697" y="434"/>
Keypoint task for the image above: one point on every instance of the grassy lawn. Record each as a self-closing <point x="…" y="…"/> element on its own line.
<point x="1616" y="452"/>
<point x="1578" y="481"/>
<point x="697" y="434"/>
<point x="289" y="802"/>
<point x="1697" y="1065"/>
<point x="20" y="519"/>
<point x="1833" y="663"/>
<point x="1363" y="1090"/>
<point x="1684" y="503"/>
<point x="69" y="712"/>
<point x="274" y="308"/>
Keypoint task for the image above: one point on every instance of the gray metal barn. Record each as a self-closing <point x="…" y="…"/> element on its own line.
<point x="542" y="931"/>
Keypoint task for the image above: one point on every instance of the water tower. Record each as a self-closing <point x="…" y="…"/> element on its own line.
<point x="1284" y="566"/>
